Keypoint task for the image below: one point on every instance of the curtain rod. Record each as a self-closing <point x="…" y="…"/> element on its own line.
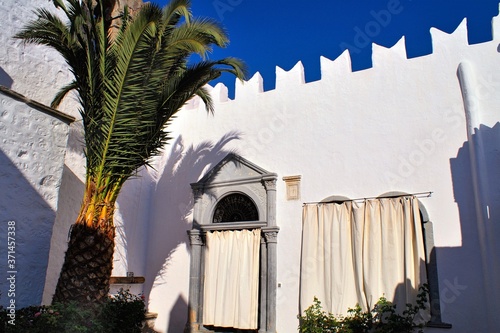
<point x="417" y="195"/>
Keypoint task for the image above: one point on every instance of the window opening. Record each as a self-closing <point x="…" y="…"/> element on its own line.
<point x="428" y="243"/>
<point x="235" y="207"/>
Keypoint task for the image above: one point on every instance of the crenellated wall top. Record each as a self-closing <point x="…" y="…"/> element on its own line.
<point x="382" y="57"/>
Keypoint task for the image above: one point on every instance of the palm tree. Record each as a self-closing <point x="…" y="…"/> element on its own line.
<point x="130" y="84"/>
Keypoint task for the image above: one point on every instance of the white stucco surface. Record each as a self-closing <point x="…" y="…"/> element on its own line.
<point x="32" y="150"/>
<point x="38" y="73"/>
<point x="34" y="71"/>
<point x="399" y="126"/>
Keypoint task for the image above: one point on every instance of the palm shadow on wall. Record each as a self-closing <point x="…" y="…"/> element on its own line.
<point x="171" y="202"/>
<point x="461" y="271"/>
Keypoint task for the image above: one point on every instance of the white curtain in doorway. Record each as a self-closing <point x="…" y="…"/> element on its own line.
<point x="231" y="288"/>
<point x="355" y="253"/>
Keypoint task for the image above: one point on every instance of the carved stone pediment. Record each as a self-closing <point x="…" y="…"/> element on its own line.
<point x="232" y="176"/>
<point x="232" y="169"/>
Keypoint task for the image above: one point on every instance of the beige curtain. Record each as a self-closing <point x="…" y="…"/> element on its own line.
<point x="231" y="288"/>
<point x="355" y="253"/>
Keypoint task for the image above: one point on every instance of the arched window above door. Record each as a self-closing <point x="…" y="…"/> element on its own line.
<point x="235" y="207"/>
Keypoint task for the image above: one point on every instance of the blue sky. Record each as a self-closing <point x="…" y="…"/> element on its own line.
<point x="270" y="33"/>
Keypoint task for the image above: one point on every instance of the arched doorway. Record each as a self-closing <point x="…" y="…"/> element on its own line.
<point x="235" y="199"/>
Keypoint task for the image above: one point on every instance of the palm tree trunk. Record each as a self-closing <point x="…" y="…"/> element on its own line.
<point x="87" y="265"/>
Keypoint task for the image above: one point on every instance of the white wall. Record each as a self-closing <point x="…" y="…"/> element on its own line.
<point x="399" y="126"/>
<point x="32" y="150"/>
<point x="34" y="71"/>
<point x="38" y="73"/>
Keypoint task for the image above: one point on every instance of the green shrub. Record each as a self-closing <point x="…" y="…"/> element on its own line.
<point x="383" y="318"/>
<point x="315" y="320"/>
<point x="123" y="313"/>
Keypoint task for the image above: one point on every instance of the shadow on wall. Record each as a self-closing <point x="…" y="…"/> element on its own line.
<point x="33" y="220"/>
<point x="5" y="79"/>
<point x="68" y="206"/>
<point x="462" y="278"/>
<point x="177" y="315"/>
<point x="171" y="205"/>
<point x="400" y="299"/>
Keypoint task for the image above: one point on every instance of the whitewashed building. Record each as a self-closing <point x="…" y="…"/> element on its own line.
<point x="427" y="126"/>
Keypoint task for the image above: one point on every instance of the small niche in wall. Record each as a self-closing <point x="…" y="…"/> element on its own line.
<point x="292" y="187"/>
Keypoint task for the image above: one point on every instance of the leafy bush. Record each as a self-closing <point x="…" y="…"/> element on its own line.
<point x="123" y="313"/>
<point x="383" y="318"/>
<point x="315" y="320"/>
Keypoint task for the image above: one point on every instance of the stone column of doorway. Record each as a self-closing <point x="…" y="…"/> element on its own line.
<point x="271" y="237"/>
<point x="194" y="309"/>
<point x="263" y="286"/>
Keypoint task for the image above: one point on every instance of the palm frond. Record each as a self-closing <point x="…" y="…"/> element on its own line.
<point x="131" y="86"/>
<point x="205" y="96"/>
<point x="48" y="30"/>
<point x="176" y="10"/>
<point x="62" y="93"/>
